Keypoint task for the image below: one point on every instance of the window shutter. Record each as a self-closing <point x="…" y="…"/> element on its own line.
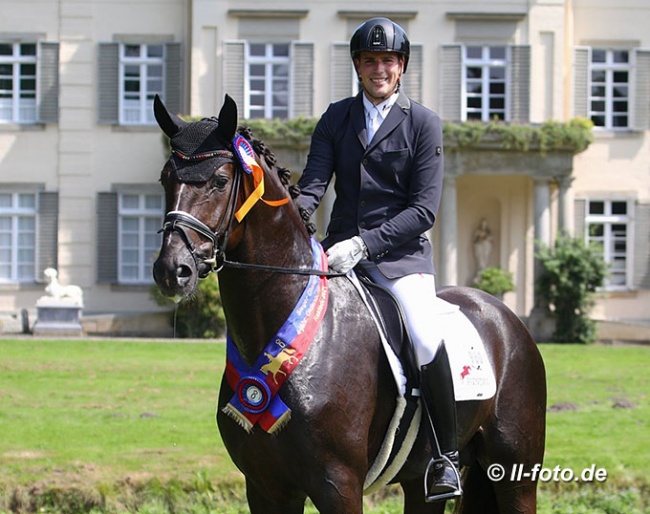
<point x="107" y="238"/>
<point x="581" y="58"/>
<point x="641" y="106"/>
<point x="48" y="231"/>
<point x="341" y="72"/>
<point x="579" y="215"/>
<point x="302" y="79"/>
<point x="519" y="83"/>
<point x="451" y="82"/>
<point x="109" y="83"/>
<point x="173" y="78"/>
<point x="234" y="71"/>
<point x="412" y="79"/>
<point x="48" y="82"/>
<point x="641" y="276"/>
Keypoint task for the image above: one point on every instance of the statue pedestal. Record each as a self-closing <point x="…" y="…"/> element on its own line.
<point x="58" y="317"/>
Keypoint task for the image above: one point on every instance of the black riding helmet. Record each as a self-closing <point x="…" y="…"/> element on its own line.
<point x="380" y="35"/>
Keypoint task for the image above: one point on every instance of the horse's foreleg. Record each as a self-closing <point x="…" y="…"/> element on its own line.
<point x="339" y="493"/>
<point x="414" y="499"/>
<point x="259" y="503"/>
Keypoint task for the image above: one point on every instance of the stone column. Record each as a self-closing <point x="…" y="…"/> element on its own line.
<point x="539" y="323"/>
<point x="447" y="268"/>
<point x="542" y="211"/>
<point x="566" y="214"/>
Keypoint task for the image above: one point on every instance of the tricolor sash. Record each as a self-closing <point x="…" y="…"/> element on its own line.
<point x="256" y="400"/>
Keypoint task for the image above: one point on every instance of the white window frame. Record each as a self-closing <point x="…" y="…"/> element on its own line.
<point x="610" y="68"/>
<point x="22" y="110"/>
<point x="269" y="61"/>
<point x="145" y="101"/>
<point x="485" y="62"/>
<point x="146" y="252"/>
<point x="18" y="238"/>
<point x="609" y="238"/>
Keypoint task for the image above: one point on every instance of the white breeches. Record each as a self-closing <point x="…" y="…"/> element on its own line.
<point x="417" y="295"/>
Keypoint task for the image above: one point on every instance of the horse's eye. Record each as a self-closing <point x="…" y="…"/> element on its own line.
<point x="220" y="181"/>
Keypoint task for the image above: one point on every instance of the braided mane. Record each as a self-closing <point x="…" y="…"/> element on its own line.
<point x="262" y="150"/>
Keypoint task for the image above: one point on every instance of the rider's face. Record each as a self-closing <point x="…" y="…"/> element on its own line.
<point x="379" y="73"/>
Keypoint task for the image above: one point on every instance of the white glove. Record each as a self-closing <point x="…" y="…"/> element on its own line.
<point x="344" y="256"/>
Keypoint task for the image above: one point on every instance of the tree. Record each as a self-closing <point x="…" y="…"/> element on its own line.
<point x="571" y="273"/>
<point x="201" y="316"/>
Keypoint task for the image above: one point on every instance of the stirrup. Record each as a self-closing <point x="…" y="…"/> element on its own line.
<point x="430" y="498"/>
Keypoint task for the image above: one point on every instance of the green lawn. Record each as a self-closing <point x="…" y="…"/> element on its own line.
<point x="609" y="388"/>
<point x="91" y="414"/>
<point x="102" y="410"/>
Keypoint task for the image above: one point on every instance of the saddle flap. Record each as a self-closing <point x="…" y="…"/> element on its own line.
<point x="391" y="317"/>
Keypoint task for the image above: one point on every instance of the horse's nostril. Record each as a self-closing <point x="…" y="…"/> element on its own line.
<point x="183" y="271"/>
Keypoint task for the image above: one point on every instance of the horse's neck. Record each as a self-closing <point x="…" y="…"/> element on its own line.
<point x="257" y="303"/>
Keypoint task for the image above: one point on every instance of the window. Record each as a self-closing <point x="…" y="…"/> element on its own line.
<point x="608" y="230"/>
<point x="610" y="88"/>
<point x="140" y="217"/>
<point x="18" y="83"/>
<point x="129" y="75"/>
<point x="141" y="78"/>
<point x="484" y="82"/>
<point x="267" y="67"/>
<point x="17" y="237"/>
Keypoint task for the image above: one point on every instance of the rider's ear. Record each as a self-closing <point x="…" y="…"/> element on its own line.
<point x="228" y="119"/>
<point x="169" y="122"/>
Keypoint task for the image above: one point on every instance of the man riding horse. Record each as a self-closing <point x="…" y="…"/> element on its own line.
<point x="386" y="152"/>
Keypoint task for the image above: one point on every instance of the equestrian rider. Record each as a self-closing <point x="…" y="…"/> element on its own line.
<point x="386" y="152"/>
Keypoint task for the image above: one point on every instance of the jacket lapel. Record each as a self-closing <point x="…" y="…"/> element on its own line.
<point x="396" y="116"/>
<point x="358" y="117"/>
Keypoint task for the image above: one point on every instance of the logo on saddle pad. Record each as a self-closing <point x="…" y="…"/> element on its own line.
<point x="275" y="364"/>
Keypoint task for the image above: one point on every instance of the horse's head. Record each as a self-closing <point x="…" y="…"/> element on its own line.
<point x="214" y="177"/>
<point x="201" y="182"/>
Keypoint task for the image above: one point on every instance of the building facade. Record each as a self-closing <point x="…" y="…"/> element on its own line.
<point x="80" y="153"/>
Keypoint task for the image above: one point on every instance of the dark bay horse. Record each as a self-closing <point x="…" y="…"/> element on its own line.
<point x="341" y="395"/>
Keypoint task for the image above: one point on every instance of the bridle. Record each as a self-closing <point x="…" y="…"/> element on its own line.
<point x="178" y="221"/>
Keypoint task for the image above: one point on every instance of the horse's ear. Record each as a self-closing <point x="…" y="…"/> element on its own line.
<point x="169" y="122"/>
<point x="228" y="119"/>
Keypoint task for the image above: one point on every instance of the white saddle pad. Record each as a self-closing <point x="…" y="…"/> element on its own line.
<point x="471" y="369"/>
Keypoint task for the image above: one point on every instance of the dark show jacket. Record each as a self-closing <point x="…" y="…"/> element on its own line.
<point x="387" y="192"/>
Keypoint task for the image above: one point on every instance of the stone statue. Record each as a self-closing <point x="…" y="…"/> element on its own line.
<point x="482" y="241"/>
<point x="56" y="291"/>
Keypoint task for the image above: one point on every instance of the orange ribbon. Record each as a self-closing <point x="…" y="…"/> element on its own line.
<point x="250" y="163"/>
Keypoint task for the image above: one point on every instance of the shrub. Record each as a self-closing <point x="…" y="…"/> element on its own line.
<point x="495" y="281"/>
<point x="201" y="316"/>
<point x="571" y="273"/>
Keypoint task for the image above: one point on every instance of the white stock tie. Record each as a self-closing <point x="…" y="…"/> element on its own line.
<point x="373" y="124"/>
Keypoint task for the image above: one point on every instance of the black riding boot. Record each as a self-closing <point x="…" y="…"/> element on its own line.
<point x="438" y="395"/>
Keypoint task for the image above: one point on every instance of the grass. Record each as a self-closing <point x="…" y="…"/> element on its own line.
<point x="106" y="410"/>
<point x="133" y="423"/>
<point x="610" y="427"/>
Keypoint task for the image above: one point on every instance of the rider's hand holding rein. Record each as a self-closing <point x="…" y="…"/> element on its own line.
<point x="344" y="256"/>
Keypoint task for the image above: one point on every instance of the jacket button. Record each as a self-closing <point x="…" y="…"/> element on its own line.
<point x="362" y="224"/>
<point x="362" y="203"/>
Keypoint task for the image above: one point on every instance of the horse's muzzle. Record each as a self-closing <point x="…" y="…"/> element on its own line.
<point x="175" y="273"/>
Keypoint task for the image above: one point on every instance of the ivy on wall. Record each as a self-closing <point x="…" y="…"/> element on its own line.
<point x="574" y="136"/>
